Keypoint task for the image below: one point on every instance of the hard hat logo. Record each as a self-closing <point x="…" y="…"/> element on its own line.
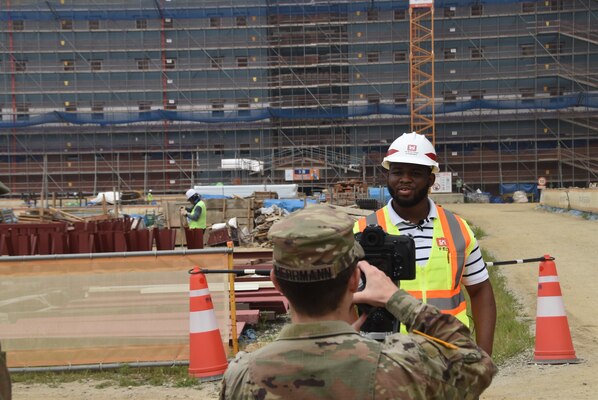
<point x="411" y="148"/>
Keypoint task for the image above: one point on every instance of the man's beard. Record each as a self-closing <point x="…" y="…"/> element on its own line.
<point x="410" y="202"/>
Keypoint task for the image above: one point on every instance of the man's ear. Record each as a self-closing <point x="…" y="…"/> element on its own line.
<point x="354" y="280"/>
<point x="431" y="179"/>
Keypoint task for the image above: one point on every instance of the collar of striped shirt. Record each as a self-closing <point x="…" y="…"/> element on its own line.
<point x="396" y="219"/>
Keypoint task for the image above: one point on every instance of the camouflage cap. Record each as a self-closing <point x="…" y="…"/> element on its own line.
<point x="314" y="244"/>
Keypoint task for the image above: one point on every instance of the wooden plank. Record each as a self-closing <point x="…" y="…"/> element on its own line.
<point x="279" y="304"/>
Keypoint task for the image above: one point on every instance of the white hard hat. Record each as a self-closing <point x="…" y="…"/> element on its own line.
<point x="150" y="190"/>
<point x="411" y="148"/>
<point x="190" y="193"/>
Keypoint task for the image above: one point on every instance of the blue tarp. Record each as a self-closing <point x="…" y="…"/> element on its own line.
<point x="214" y="196"/>
<point x="288" y="204"/>
<point x="581" y="99"/>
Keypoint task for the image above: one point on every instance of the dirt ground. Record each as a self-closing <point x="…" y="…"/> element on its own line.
<point x="514" y="231"/>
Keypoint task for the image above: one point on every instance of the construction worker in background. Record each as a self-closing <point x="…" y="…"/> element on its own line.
<point x="150" y="197"/>
<point x="196" y="214"/>
<point x="320" y="355"/>
<point x="447" y="253"/>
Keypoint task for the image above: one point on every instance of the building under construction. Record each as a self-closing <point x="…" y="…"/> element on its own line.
<point x="166" y="94"/>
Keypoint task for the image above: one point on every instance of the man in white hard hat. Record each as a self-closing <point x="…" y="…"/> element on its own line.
<point x="196" y="214"/>
<point x="447" y="252"/>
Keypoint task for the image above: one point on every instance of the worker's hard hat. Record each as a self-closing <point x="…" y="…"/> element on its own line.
<point x="411" y="148"/>
<point x="190" y="193"/>
<point x="150" y="190"/>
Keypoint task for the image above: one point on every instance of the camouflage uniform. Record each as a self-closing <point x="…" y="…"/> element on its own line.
<point x="330" y="360"/>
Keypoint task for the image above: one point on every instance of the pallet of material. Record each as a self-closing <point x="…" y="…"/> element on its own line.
<point x="261" y="292"/>
<point x="250" y="317"/>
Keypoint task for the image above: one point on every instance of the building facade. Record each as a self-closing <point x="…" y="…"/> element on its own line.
<point x="166" y="94"/>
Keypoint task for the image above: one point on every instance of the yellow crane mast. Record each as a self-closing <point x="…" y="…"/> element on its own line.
<point x="421" y="67"/>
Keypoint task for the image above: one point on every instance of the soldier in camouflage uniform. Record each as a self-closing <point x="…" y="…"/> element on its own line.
<point x="321" y="354"/>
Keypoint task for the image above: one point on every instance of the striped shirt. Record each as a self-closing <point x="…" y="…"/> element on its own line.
<point x="422" y="233"/>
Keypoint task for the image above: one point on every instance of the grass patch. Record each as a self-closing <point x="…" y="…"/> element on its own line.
<point x="125" y="376"/>
<point x="512" y="335"/>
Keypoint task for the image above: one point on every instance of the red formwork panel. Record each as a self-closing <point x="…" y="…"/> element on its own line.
<point x="251" y="317"/>
<point x="145" y="239"/>
<point x="104" y="241"/>
<point x="194" y="238"/>
<point x="44" y="245"/>
<point x="218" y="237"/>
<point x="140" y="240"/>
<point x="23" y="245"/>
<point x="80" y="226"/>
<point x="165" y="238"/>
<point x="81" y="242"/>
<point x="34" y="228"/>
<point x="120" y="243"/>
<point x="278" y="304"/>
<point x="59" y="243"/>
<point x="4" y="247"/>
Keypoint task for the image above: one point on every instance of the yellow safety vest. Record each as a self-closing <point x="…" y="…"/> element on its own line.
<point x="201" y="222"/>
<point x="438" y="282"/>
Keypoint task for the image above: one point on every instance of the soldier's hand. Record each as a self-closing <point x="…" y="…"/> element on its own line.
<point x="379" y="288"/>
<point x="359" y="321"/>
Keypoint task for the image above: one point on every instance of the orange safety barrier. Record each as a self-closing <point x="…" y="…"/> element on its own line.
<point x="207" y="359"/>
<point x="553" y="337"/>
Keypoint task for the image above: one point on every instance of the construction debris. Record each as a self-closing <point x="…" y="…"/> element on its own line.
<point x="7" y="216"/>
<point x="264" y="219"/>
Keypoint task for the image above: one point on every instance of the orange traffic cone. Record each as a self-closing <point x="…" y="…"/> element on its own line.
<point x="207" y="359"/>
<point x="553" y="337"/>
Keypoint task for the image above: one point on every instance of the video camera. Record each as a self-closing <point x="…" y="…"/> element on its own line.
<point x="395" y="256"/>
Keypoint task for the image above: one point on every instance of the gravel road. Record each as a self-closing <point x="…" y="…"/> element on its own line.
<point x="514" y="231"/>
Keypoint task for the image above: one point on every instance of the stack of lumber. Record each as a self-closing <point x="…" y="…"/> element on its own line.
<point x="344" y="193"/>
<point x="48" y="214"/>
<point x="352" y="185"/>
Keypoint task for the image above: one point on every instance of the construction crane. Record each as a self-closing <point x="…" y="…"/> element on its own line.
<point x="421" y="67"/>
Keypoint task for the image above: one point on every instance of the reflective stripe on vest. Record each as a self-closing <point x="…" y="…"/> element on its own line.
<point x="433" y="284"/>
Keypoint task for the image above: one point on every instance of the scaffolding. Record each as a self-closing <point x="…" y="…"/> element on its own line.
<point x="96" y="95"/>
